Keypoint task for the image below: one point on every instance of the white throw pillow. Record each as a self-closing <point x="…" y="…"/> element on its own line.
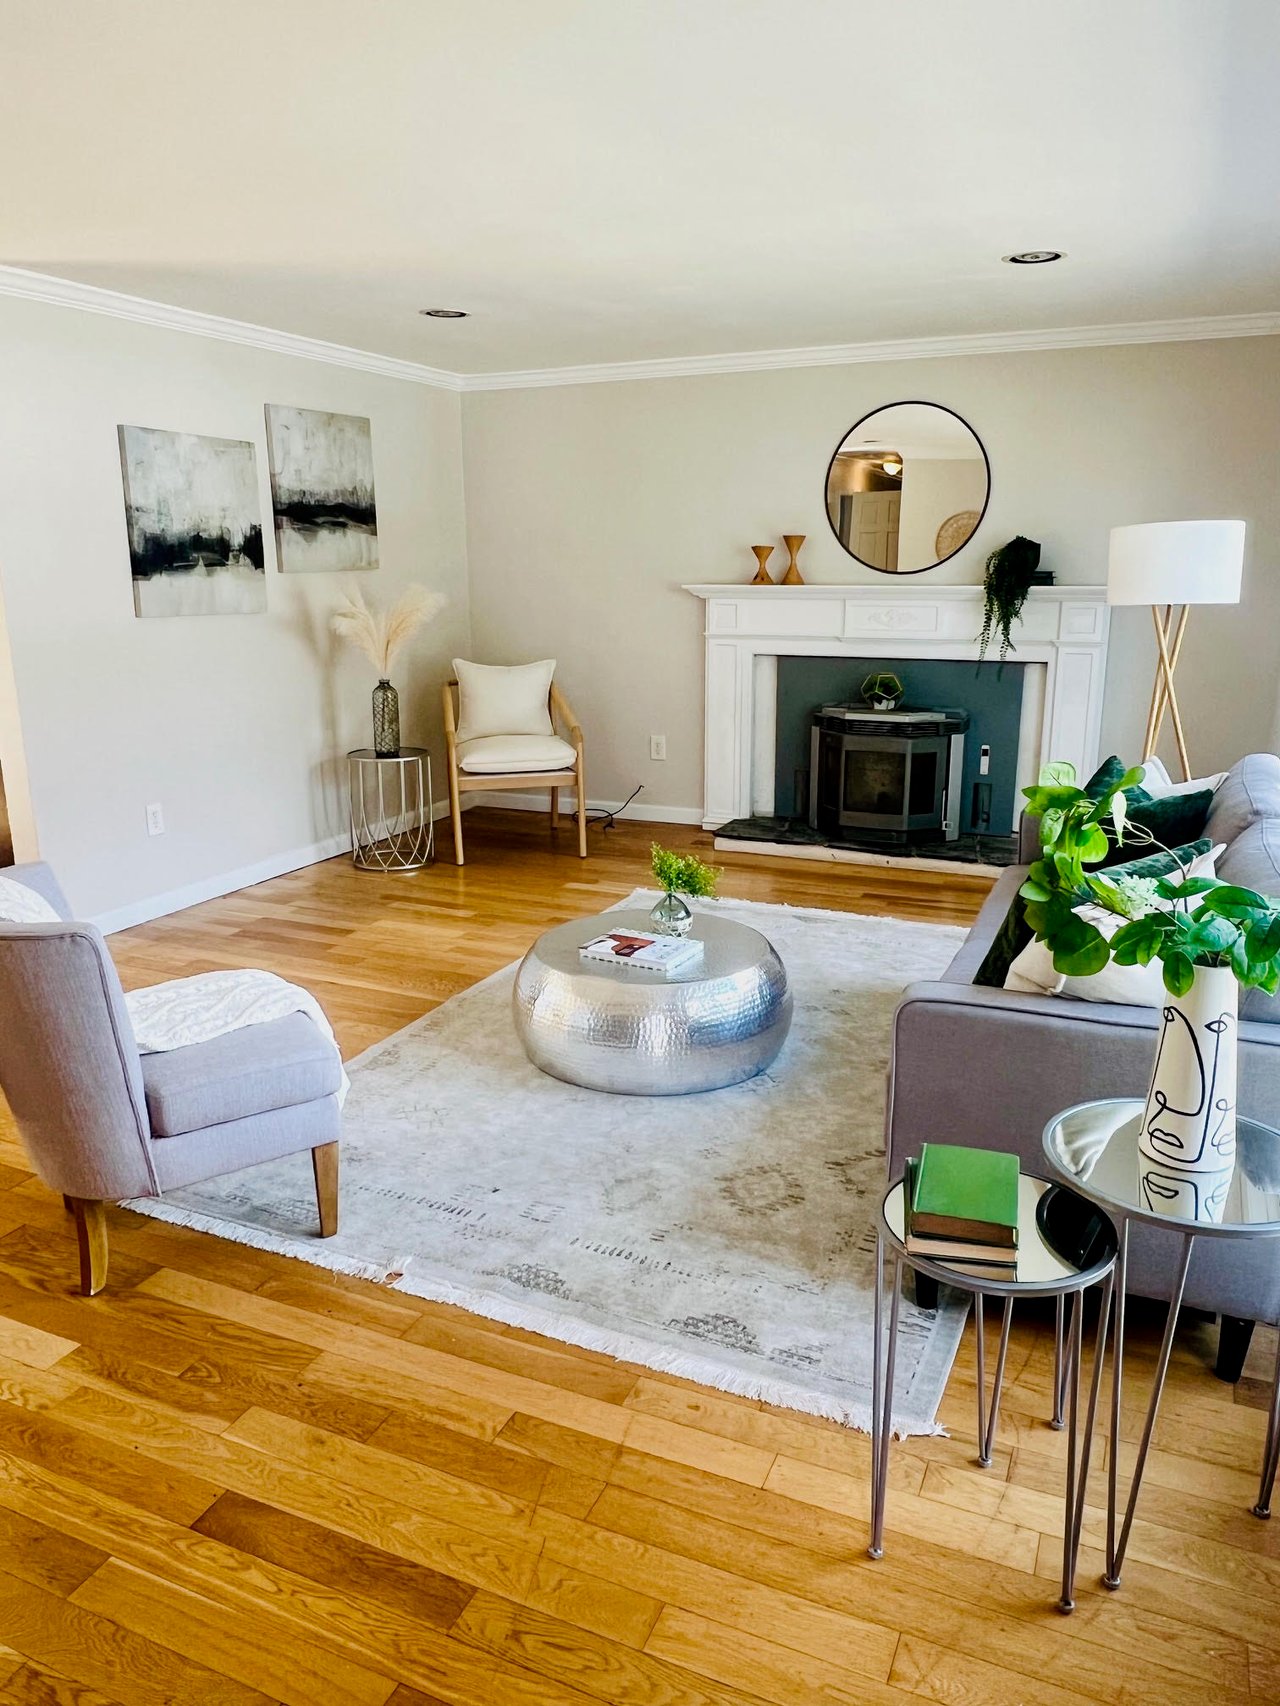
<point x="21" y="905"/>
<point x="500" y="700"/>
<point x="1032" y="972"/>
<point x="1161" y="786"/>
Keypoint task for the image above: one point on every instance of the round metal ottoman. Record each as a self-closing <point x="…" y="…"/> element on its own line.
<point x="643" y="1034"/>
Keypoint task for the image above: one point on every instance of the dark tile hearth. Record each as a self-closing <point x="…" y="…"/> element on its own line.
<point x="795" y="832"/>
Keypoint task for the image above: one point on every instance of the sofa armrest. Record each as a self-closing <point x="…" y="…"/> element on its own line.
<point x="991" y="1066"/>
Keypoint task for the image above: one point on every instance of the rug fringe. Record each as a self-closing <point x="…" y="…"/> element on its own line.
<point x="624" y="1347"/>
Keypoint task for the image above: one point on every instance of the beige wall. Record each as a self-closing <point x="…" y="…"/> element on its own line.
<point x="234" y="724"/>
<point x="589" y="505"/>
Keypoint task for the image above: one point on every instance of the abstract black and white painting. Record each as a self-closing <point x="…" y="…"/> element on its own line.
<point x="195" y="528"/>
<point x="322" y="490"/>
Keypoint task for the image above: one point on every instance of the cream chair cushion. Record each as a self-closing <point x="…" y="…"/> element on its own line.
<point x="500" y="700"/>
<point x="511" y="755"/>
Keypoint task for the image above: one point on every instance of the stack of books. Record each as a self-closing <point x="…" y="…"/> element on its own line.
<point x="962" y="1206"/>
<point x="633" y="951"/>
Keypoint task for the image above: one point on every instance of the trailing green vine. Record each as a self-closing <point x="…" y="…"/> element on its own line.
<point x="1009" y="577"/>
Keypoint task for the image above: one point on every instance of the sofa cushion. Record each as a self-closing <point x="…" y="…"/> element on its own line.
<point x="503" y="755"/>
<point x="1253" y="861"/>
<point x="1251" y="791"/>
<point x="250" y="1071"/>
<point x="501" y="700"/>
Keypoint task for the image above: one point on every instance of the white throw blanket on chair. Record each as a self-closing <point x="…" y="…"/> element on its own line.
<point x="196" y="1009"/>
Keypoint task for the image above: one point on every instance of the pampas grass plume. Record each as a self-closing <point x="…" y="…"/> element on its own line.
<point x="381" y="635"/>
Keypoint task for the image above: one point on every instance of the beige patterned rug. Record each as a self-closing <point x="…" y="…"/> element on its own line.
<point x="727" y="1237"/>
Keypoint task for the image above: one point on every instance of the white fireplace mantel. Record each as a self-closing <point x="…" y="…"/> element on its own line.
<point x="1062" y="636"/>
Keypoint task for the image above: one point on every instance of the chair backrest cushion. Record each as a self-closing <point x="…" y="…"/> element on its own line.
<point x="69" y="1065"/>
<point x="503" y="700"/>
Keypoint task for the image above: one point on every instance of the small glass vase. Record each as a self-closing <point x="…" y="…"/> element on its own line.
<point x="386" y="720"/>
<point x="671" y="917"/>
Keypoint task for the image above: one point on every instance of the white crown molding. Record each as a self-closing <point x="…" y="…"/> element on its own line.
<point x="93" y="299"/>
<point x="902" y="349"/>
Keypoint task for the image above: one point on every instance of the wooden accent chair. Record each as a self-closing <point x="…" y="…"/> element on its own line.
<point x="517" y="761"/>
<point x="103" y="1123"/>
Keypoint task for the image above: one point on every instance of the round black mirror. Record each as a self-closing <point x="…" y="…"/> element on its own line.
<point x="907" y="487"/>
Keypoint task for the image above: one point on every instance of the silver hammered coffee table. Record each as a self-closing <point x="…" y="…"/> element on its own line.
<point x="644" y="1034"/>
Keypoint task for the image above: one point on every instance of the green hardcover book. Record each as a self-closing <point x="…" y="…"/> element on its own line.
<point x="966" y="1193"/>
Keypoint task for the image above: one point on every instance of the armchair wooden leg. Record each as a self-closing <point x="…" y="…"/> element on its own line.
<point x="455" y="812"/>
<point x="91" y="1234"/>
<point x="555" y="808"/>
<point x="582" y="810"/>
<point x="324" y="1164"/>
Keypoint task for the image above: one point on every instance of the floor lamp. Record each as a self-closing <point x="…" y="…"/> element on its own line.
<point x="1167" y="564"/>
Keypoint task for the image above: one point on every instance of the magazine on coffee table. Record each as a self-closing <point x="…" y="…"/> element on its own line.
<point x="634" y="950"/>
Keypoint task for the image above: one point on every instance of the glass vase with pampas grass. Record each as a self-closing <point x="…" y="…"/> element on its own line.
<point x="380" y="636"/>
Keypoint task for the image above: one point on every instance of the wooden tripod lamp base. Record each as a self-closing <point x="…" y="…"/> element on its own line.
<point x="1171" y="565"/>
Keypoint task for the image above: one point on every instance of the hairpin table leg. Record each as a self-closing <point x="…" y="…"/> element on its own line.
<point x="1116" y="1548"/>
<point x="882" y="1409"/>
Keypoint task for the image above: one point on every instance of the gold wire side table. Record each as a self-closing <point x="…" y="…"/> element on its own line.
<point x="392" y="828"/>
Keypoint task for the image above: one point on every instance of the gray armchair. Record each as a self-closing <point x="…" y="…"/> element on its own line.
<point x="103" y="1123"/>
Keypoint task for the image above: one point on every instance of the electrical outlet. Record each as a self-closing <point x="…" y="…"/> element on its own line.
<point x="657" y="747"/>
<point x="155" y="820"/>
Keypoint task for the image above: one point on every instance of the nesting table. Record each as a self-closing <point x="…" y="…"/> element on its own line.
<point x="1093" y="1147"/>
<point x="1065" y="1246"/>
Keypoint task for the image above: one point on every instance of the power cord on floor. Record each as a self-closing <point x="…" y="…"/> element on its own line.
<point x="607" y="819"/>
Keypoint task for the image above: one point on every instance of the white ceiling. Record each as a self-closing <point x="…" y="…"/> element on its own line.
<point x="618" y="180"/>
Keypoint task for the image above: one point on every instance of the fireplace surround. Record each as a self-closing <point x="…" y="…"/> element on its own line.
<point x="1061" y="639"/>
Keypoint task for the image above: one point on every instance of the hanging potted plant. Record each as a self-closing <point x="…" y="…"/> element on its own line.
<point x="1011" y="572"/>
<point x="679" y="874"/>
<point x="1210" y="938"/>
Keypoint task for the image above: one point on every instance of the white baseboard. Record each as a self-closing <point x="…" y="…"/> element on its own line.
<point x="636" y="811"/>
<point x="213" y="888"/>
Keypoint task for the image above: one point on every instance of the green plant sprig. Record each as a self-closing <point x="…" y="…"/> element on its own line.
<point x="683" y="873"/>
<point x="1206" y="923"/>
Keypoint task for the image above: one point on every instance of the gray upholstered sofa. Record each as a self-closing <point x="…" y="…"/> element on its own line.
<point x="989" y="1067"/>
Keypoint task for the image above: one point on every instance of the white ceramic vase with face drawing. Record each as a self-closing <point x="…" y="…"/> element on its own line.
<point x="1188" y="1131"/>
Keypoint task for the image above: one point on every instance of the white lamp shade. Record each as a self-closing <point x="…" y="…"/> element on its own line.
<point x="1176" y="562"/>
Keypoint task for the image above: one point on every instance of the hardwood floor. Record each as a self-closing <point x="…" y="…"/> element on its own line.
<point x="232" y="1478"/>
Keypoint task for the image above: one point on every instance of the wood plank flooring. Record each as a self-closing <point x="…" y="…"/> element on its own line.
<point x="234" y="1479"/>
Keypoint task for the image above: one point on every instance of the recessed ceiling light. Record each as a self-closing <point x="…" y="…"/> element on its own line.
<point x="1032" y="257"/>
<point x="444" y="313"/>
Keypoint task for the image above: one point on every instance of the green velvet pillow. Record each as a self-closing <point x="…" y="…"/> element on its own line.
<point x="1009" y="941"/>
<point x="1014" y="934"/>
<point x="1174" y="819"/>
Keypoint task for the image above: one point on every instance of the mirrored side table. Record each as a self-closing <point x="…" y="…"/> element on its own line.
<point x="392" y="828"/>
<point x="1094" y="1148"/>
<point x="1065" y="1246"/>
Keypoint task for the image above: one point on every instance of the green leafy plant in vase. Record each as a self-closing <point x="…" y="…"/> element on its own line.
<point x="677" y="875"/>
<point x="1210" y="938"/>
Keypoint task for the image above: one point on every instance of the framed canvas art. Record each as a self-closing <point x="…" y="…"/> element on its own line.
<point x="322" y="490"/>
<point x="195" y="527"/>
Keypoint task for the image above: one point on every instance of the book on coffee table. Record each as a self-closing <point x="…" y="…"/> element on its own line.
<point x="634" y="950"/>
<point x="965" y="1199"/>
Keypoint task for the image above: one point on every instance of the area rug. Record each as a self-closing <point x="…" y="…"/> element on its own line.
<point x="727" y="1237"/>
